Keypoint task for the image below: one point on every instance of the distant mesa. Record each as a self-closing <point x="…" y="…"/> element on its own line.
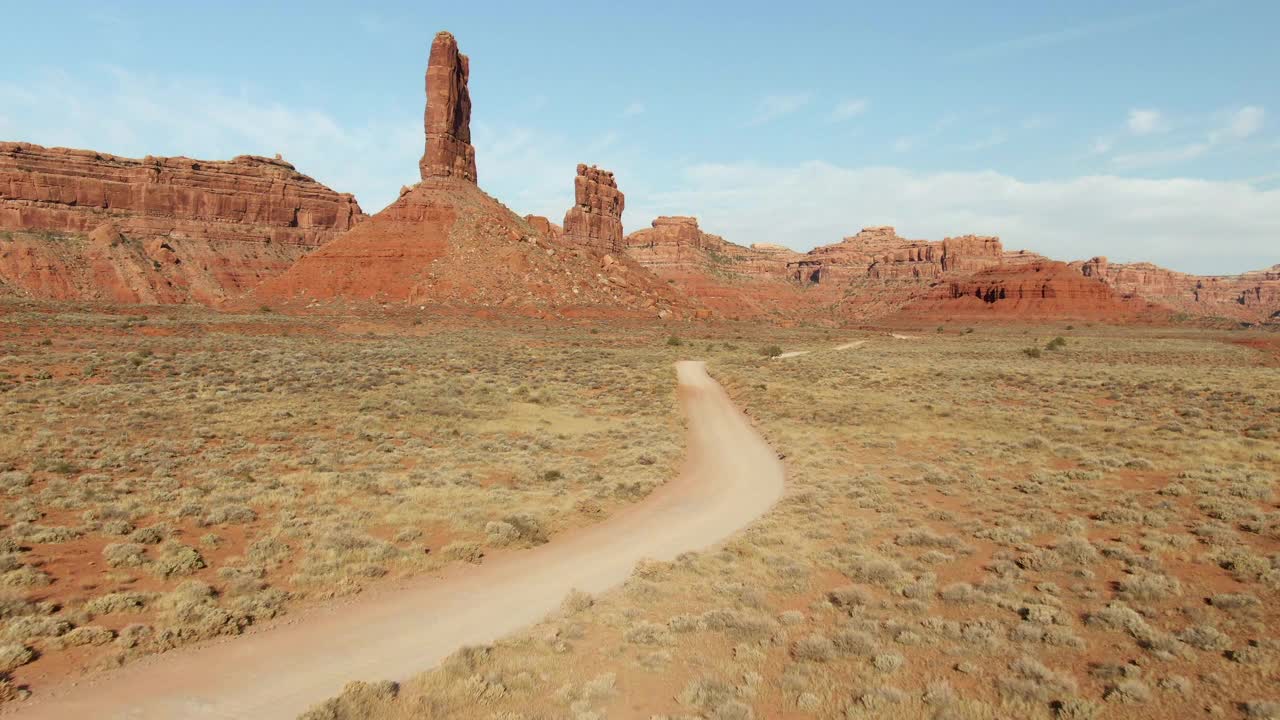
<point x="1045" y="290"/>
<point x="156" y="230"/>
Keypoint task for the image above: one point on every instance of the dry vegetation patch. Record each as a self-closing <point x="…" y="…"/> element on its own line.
<point x="969" y="532"/>
<point x="182" y="475"/>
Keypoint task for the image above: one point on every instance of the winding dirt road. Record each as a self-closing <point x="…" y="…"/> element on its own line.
<point x="730" y="478"/>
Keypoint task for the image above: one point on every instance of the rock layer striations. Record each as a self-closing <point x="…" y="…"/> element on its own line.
<point x="82" y="225"/>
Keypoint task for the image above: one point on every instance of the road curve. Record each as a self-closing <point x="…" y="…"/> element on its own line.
<point x="729" y="478"/>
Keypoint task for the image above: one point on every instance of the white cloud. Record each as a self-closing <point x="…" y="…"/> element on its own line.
<point x="772" y="107"/>
<point x="1191" y="225"/>
<point x="1145" y="122"/>
<point x="633" y="109"/>
<point x="1241" y="124"/>
<point x="1237" y="126"/>
<point x="1101" y="146"/>
<point x="847" y="110"/>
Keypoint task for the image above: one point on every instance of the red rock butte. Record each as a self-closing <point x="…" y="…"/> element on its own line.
<point x="595" y="220"/>
<point x="1040" y="290"/>
<point x="447" y="118"/>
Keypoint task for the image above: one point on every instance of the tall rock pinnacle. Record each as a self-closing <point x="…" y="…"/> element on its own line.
<point x="595" y="220"/>
<point x="447" y="119"/>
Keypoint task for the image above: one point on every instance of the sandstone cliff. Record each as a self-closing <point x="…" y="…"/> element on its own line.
<point x="81" y="225"/>
<point x="1252" y="296"/>
<point x="1031" y="291"/>
<point x="735" y="281"/>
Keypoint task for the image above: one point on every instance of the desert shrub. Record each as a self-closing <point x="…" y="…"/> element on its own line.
<point x="1056" y="344"/>
<point x="848" y="596"/>
<point x="358" y="701"/>
<point x="153" y="535"/>
<point x="26" y="628"/>
<point x="13" y="604"/>
<point x="855" y="642"/>
<point x="1261" y="709"/>
<point x="575" y="602"/>
<point x="518" y="528"/>
<point x="234" y="514"/>
<point x="14" y="656"/>
<point x="673" y="341"/>
<point x="707" y="694"/>
<point x="13" y="481"/>
<point x="124" y="555"/>
<point x="647" y="633"/>
<point x="462" y="550"/>
<point x="771" y="351"/>
<point x="813" y="648"/>
<point x="176" y="558"/>
<point x="1235" y="602"/>
<point x="1128" y="691"/>
<point x="791" y="617"/>
<point x="126" y="601"/>
<point x="1148" y="587"/>
<point x="1032" y="680"/>
<point x="1205" y="637"/>
<point x="881" y="571"/>
<point x="87" y="635"/>
<point x="1031" y="352"/>
<point x="960" y="593"/>
<point x="888" y="662"/>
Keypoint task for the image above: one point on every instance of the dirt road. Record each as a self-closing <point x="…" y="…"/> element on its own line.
<point x="730" y="478"/>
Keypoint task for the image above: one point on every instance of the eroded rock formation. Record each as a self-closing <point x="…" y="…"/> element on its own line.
<point x="447" y="243"/>
<point x="77" y="224"/>
<point x="1041" y="290"/>
<point x="879" y="253"/>
<point x="595" y="220"/>
<point x="1252" y="296"/>
<point x="447" y="118"/>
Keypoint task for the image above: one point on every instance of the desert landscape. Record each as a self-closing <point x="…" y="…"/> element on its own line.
<point x="269" y="454"/>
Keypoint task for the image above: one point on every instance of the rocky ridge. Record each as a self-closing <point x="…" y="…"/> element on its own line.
<point x="82" y="225"/>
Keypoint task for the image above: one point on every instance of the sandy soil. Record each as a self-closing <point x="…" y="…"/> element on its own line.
<point x="731" y="477"/>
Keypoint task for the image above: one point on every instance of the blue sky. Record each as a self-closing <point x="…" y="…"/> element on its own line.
<point x="1137" y="130"/>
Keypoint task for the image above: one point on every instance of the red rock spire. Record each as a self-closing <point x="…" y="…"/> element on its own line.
<point x="447" y="119"/>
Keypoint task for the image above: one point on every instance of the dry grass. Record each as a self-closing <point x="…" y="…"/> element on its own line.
<point x="174" y="477"/>
<point x="968" y="532"/>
